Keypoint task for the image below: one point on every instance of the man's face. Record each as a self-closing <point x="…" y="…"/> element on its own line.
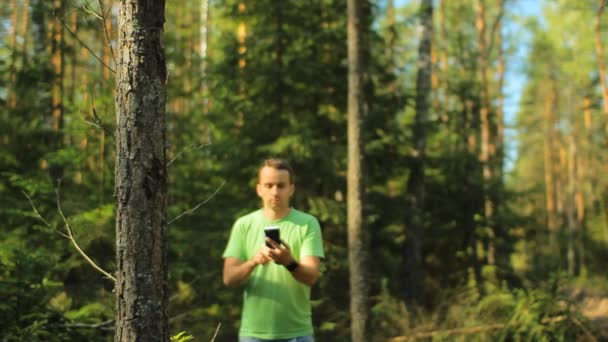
<point x="274" y="188"/>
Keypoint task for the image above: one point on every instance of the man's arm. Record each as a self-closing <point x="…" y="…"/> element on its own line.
<point x="236" y="272"/>
<point x="307" y="271"/>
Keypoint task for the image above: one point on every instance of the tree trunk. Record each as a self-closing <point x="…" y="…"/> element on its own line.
<point x="12" y="73"/>
<point x="485" y="143"/>
<point x="416" y="189"/>
<point x="141" y="174"/>
<point x="444" y="60"/>
<point x="500" y="139"/>
<point x="57" y="65"/>
<point x="600" y="58"/>
<point x="357" y="241"/>
<point x="548" y="166"/>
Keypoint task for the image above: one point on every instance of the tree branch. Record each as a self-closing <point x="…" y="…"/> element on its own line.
<point x="73" y="240"/>
<point x="185" y="150"/>
<point x="83" y="44"/>
<point x="216" y="331"/>
<point x="198" y="205"/>
<point x="69" y="235"/>
<point x="98" y="122"/>
<point x="42" y="218"/>
<point x="494" y="27"/>
<point x="105" y="29"/>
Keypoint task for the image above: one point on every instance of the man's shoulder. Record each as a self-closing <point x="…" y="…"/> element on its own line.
<point x="303" y="217"/>
<point x="248" y="218"/>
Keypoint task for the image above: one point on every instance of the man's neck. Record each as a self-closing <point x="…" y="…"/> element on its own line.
<point x="274" y="215"/>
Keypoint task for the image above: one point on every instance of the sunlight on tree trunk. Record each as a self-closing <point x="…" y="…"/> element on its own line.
<point x="141" y="174"/>
<point x="357" y="242"/>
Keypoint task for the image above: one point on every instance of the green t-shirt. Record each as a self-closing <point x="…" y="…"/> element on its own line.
<point x="275" y="304"/>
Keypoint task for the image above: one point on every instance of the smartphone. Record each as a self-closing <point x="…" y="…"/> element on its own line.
<point x="273" y="233"/>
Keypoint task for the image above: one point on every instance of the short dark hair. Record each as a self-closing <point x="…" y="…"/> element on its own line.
<point x="279" y="164"/>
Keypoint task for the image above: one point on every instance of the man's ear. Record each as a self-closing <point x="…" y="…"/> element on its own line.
<point x="257" y="189"/>
<point x="293" y="188"/>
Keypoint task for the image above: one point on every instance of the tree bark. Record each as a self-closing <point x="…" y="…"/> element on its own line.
<point x="141" y="174"/>
<point x="12" y="74"/>
<point x="416" y="188"/>
<point x="485" y="143"/>
<point x="500" y="128"/>
<point x="444" y="60"/>
<point x="357" y="241"/>
<point x="548" y="166"/>
<point x="600" y="58"/>
<point x="57" y="65"/>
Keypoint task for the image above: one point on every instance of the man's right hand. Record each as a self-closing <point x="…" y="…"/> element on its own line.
<point x="236" y="272"/>
<point x="261" y="257"/>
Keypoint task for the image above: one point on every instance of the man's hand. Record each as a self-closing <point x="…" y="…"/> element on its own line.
<point x="279" y="254"/>
<point x="237" y="272"/>
<point x="260" y="257"/>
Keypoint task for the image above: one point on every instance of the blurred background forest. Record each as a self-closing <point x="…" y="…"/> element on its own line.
<point x="511" y="205"/>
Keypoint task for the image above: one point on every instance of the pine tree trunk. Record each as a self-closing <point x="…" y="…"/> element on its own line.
<point x="357" y="242"/>
<point x="444" y="60"/>
<point x="141" y="174"/>
<point x="500" y="139"/>
<point x="12" y="69"/>
<point x="416" y="188"/>
<point x="600" y="58"/>
<point x="548" y="168"/>
<point x="485" y="144"/>
<point x="57" y="65"/>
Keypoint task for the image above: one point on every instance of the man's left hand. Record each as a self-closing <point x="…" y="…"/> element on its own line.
<point x="281" y="253"/>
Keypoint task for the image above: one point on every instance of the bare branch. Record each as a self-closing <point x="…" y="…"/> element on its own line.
<point x="73" y="240"/>
<point x="216" y="331"/>
<point x="494" y="28"/>
<point x="42" y="218"/>
<point x="98" y="122"/>
<point x="85" y="7"/>
<point x="83" y="44"/>
<point x="105" y="28"/>
<point x="185" y="150"/>
<point x="99" y="325"/>
<point x="198" y="205"/>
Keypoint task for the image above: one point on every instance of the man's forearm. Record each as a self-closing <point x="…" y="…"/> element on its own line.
<point x="306" y="274"/>
<point x="238" y="274"/>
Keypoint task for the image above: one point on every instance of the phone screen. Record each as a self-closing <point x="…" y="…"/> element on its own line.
<point x="273" y="233"/>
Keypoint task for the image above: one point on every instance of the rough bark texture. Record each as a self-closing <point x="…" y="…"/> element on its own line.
<point x="357" y="244"/>
<point x="141" y="176"/>
<point x="416" y="189"/>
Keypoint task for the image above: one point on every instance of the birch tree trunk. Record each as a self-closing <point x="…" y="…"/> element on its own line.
<point x="141" y="174"/>
<point x="357" y="243"/>
<point x="415" y="226"/>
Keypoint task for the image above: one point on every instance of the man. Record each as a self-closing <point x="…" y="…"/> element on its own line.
<point x="277" y="279"/>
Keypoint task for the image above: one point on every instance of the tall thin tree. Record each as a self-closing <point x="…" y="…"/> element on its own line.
<point x="357" y="241"/>
<point x="141" y="174"/>
<point x="416" y="188"/>
<point x="484" y="116"/>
